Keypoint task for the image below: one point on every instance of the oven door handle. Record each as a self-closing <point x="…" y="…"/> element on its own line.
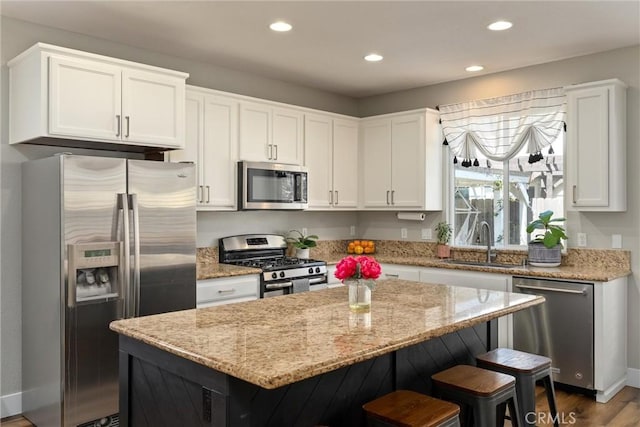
<point x="317" y="280"/>
<point x="281" y="285"/>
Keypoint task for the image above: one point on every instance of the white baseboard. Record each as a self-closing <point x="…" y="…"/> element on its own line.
<point x="10" y="404"/>
<point x="633" y="377"/>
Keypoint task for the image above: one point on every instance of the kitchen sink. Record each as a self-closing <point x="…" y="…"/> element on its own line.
<point x="481" y="263"/>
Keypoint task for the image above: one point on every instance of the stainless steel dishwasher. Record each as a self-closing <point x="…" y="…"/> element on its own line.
<point x="561" y="328"/>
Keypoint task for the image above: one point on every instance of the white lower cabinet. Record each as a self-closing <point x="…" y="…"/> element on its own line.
<point x="227" y="290"/>
<point x="402" y="272"/>
<point x="332" y="281"/>
<point x="481" y="281"/>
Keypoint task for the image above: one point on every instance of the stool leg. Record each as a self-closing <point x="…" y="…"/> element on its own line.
<point x="551" y="398"/>
<point x="514" y="411"/>
<point x="526" y="390"/>
<point x="502" y="413"/>
<point x="484" y="414"/>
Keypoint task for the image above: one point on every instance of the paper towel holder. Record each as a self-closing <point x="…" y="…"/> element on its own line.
<point x="411" y="216"/>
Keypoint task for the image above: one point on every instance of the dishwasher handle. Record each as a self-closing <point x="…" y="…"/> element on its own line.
<point x="546" y="288"/>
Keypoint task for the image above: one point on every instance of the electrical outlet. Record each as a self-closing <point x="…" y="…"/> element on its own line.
<point x="305" y="231"/>
<point x="403" y="233"/>
<point x="616" y="241"/>
<point x="582" y="239"/>
<point x="352" y="230"/>
<point x="426" y="234"/>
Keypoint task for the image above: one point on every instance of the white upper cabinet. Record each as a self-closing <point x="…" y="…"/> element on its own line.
<point x="596" y="146"/>
<point x="270" y="134"/>
<point x="212" y="144"/>
<point x="331" y="156"/>
<point x="66" y="97"/>
<point x="402" y="161"/>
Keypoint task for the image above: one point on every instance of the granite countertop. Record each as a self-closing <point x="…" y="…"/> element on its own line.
<point x="277" y="341"/>
<point x="591" y="272"/>
<point x="215" y="270"/>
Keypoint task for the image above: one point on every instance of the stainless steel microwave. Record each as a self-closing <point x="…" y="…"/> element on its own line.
<point x="263" y="185"/>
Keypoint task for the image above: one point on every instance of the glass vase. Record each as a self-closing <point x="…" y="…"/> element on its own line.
<point x="359" y="295"/>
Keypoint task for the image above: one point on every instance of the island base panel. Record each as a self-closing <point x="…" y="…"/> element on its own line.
<point x="161" y="389"/>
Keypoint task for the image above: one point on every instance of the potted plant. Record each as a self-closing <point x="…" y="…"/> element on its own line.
<point x="545" y="249"/>
<point x="301" y="242"/>
<point x="443" y="231"/>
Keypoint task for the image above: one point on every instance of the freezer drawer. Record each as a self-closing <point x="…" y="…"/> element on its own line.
<point x="561" y="328"/>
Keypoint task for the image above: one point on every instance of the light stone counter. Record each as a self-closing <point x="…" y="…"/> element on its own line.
<point x="278" y="341"/>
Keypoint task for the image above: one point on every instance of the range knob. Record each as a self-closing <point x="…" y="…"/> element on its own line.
<point x="317" y="269"/>
<point x="310" y="270"/>
<point x="274" y="275"/>
<point x="282" y="274"/>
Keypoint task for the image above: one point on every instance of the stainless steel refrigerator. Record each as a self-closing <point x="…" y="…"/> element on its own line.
<point x="103" y="239"/>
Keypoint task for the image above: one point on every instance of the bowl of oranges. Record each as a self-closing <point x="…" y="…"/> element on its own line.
<point x="359" y="247"/>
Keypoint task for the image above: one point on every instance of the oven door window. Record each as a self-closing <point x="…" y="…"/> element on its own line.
<point x="270" y="186"/>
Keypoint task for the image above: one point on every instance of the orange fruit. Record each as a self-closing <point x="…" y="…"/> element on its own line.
<point x="368" y="250"/>
<point x="351" y="245"/>
<point x="358" y="249"/>
<point x="350" y="250"/>
<point x="356" y="242"/>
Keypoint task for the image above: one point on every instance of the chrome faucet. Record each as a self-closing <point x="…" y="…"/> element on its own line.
<point x="490" y="253"/>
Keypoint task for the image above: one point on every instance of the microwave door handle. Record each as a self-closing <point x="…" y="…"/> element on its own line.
<point x="125" y="273"/>
<point x="136" y="255"/>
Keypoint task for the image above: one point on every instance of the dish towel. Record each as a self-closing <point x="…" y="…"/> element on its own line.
<point x="300" y="285"/>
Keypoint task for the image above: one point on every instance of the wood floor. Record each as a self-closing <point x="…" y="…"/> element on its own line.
<point x="574" y="410"/>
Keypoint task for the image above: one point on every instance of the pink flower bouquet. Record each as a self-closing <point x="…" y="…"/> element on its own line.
<point x="359" y="267"/>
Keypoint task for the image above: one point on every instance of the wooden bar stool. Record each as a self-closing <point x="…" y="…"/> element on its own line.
<point x="527" y="368"/>
<point x="486" y="392"/>
<point x="404" y="408"/>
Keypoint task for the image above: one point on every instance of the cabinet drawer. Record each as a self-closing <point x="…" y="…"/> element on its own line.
<point x="230" y="289"/>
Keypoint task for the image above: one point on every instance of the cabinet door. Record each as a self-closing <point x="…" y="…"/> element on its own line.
<point x="84" y="99"/>
<point x="376" y="163"/>
<point x="588" y="146"/>
<point x="255" y="132"/>
<point x="407" y="161"/>
<point x="287" y="136"/>
<point x="220" y="151"/>
<point x="194" y="134"/>
<point x="345" y="164"/>
<point x="153" y="109"/>
<point x="318" y="155"/>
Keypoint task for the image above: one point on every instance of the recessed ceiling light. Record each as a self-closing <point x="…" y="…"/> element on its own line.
<point x="280" y="26"/>
<point x="373" y="57"/>
<point x="475" y="68"/>
<point x="500" y="25"/>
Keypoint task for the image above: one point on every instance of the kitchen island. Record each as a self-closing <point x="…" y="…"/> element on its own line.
<point x="301" y="359"/>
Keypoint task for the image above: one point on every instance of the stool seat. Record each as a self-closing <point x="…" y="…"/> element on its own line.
<point x="410" y="409"/>
<point x="514" y="360"/>
<point x="476" y="381"/>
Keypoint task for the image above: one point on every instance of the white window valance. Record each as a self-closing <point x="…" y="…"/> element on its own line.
<point x="499" y="127"/>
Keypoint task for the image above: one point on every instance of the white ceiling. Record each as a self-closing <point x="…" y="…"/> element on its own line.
<point x="423" y="42"/>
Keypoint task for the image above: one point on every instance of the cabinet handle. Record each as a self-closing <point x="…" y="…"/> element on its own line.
<point x="128" y="120"/>
<point x="200" y="193"/>
<point x="118" y="125"/>
<point x="574" y="194"/>
<point x="270" y="155"/>
<point x="226" y="291"/>
<point x="208" y="193"/>
<point x="276" y="157"/>
<point x="387" y="196"/>
<point x="337" y="200"/>
<point x="393" y="192"/>
<point x="330" y="197"/>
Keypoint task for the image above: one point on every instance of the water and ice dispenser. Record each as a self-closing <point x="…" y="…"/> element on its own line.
<point x="94" y="272"/>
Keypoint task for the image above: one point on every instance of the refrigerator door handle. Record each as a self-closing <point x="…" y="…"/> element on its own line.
<point x="125" y="268"/>
<point x="136" y="254"/>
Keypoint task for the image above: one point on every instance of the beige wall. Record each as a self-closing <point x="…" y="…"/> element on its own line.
<point x="620" y="63"/>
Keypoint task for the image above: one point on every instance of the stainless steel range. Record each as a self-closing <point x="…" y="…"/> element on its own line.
<point x="281" y="274"/>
